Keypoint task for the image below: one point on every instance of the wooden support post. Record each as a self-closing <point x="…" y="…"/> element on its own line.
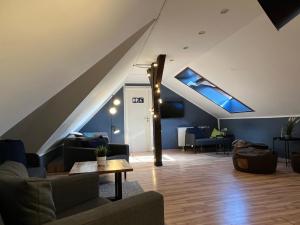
<point x="156" y="72"/>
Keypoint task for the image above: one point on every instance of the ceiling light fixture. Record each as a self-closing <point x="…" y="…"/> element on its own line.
<point x="224" y="11"/>
<point x="113" y="110"/>
<point x="171" y="60"/>
<point x="116" y="131"/>
<point x="185" y="47"/>
<point x="117" y="102"/>
<point x="201" y="32"/>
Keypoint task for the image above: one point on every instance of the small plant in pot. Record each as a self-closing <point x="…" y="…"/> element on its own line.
<point x="101" y="152"/>
<point x="292" y="122"/>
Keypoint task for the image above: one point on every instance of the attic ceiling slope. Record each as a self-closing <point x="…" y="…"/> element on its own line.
<point x="241" y="52"/>
<point x="38" y="126"/>
<point x="259" y="66"/>
<point x="45" y="45"/>
<point x="98" y="97"/>
<point x="179" y="26"/>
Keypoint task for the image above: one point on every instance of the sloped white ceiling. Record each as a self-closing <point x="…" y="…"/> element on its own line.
<point x="259" y="66"/>
<point x="45" y="45"/>
<point x="241" y="52"/>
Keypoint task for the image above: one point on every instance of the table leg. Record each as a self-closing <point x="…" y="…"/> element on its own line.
<point x="285" y="151"/>
<point x="288" y="150"/>
<point x="273" y="146"/>
<point x="118" y="186"/>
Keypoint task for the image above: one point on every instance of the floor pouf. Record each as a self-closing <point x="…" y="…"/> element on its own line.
<point x="254" y="160"/>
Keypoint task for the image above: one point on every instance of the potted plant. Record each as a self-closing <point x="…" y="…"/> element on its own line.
<point x="292" y="122"/>
<point x="101" y="152"/>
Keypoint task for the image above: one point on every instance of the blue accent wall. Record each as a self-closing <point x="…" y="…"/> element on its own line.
<point x="101" y="122"/>
<point x="261" y="130"/>
<point x="193" y="116"/>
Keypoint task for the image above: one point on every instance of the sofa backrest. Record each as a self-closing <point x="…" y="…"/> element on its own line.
<point x="24" y="200"/>
<point x="199" y="132"/>
<point x="12" y="150"/>
<point x="85" y="142"/>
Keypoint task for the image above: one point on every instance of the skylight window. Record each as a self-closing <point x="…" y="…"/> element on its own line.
<point x="212" y="92"/>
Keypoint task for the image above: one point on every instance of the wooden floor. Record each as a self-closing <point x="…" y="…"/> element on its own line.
<point x="205" y="189"/>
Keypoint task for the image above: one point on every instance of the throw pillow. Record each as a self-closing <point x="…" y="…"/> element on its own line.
<point x="216" y="133"/>
<point x="12" y="168"/>
<point x="26" y="201"/>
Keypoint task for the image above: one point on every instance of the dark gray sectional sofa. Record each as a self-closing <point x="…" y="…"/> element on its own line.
<point x="70" y="200"/>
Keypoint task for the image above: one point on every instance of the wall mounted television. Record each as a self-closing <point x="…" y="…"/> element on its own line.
<point x="172" y="109"/>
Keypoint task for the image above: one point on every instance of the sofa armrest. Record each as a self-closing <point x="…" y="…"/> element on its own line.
<point x="143" y="209"/>
<point x="69" y="191"/>
<point x="189" y="139"/>
<point x="118" y="149"/>
<point x="77" y="154"/>
<point x="37" y="172"/>
<point x="33" y="160"/>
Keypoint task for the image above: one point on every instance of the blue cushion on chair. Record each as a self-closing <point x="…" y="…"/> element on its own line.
<point x="12" y="150"/>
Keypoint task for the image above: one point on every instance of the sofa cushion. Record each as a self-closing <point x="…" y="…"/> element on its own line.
<point x="37" y="172"/>
<point x="198" y="132"/>
<point x="83" y="207"/>
<point x="26" y="201"/>
<point x="12" y="168"/>
<point x="1" y="221"/>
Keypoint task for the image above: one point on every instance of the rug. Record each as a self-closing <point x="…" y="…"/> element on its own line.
<point x="129" y="188"/>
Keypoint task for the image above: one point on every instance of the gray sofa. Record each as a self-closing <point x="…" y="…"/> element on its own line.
<point x="82" y="149"/>
<point x="70" y="200"/>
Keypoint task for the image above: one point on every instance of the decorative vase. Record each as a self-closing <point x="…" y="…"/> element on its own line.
<point x="101" y="160"/>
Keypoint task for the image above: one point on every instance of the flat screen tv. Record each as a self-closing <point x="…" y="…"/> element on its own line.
<point x="174" y="109"/>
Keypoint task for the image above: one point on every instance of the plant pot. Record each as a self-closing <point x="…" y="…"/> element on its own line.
<point x="295" y="161"/>
<point x="287" y="136"/>
<point x="101" y="160"/>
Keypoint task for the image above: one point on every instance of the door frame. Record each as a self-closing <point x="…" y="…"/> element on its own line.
<point x="126" y="137"/>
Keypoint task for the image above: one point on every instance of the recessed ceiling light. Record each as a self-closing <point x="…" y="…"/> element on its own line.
<point x="171" y="60"/>
<point x="201" y="32"/>
<point x="185" y="47"/>
<point x="224" y="11"/>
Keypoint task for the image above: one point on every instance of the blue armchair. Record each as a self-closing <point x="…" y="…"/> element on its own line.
<point x="198" y="137"/>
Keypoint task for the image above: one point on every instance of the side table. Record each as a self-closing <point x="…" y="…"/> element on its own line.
<point x="286" y="145"/>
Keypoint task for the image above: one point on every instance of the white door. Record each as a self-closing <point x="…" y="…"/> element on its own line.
<point x="138" y="120"/>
